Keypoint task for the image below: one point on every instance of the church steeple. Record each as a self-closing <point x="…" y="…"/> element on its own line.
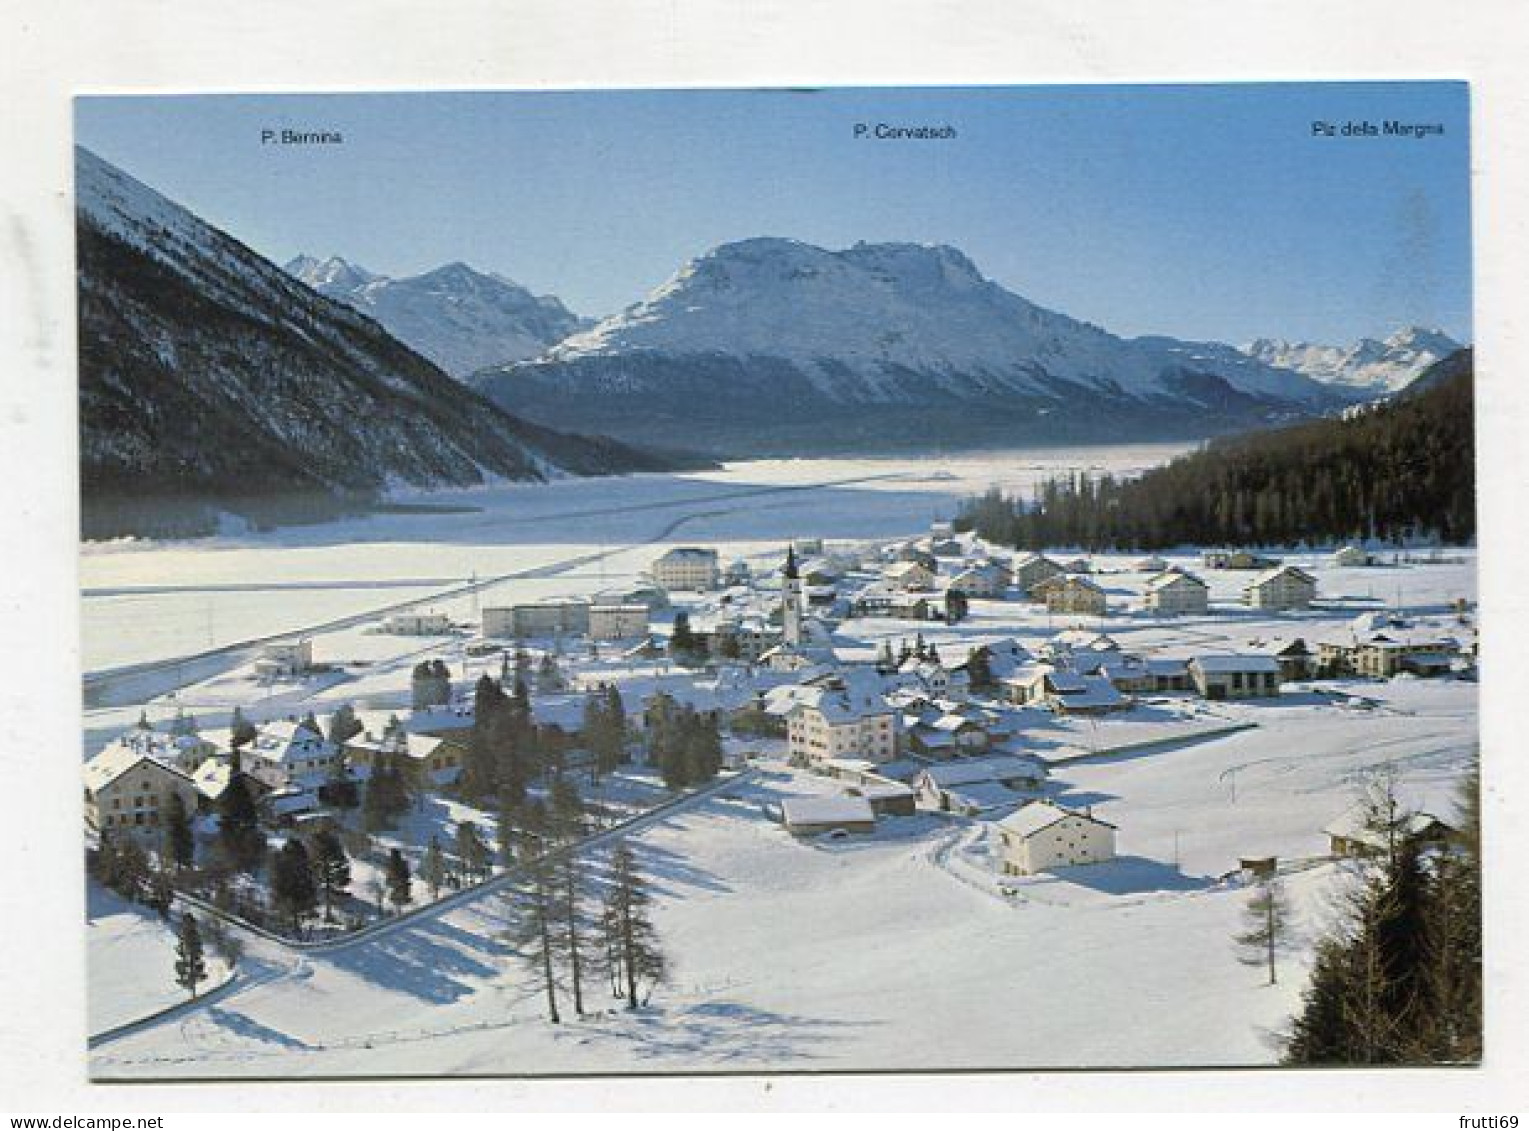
<point x="791" y="600"/>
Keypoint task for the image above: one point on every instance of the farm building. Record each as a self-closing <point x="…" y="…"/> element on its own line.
<point x="1174" y="593"/>
<point x="1284" y="587"/>
<point x="810" y="816"/>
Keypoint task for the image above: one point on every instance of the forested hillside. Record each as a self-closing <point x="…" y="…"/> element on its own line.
<point x="1404" y="469"/>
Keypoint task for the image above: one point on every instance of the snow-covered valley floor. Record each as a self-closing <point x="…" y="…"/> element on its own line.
<point x="892" y="951"/>
<point x="875" y="953"/>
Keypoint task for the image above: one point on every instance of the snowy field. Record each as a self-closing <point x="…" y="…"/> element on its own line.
<point x="217" y="591"/>
<point x="130" y="954"/>
<point x="898" y="950"/>
<point x="894" y="950"/>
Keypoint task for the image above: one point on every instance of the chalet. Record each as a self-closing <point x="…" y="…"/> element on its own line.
<point x="745" y="637"/>
<point x="971" y="787"/>
<point x="1174" y="593"/>
<point x="1041" y="836"/>
<point x="1235" y="676"/>
<point x="982" y="579"/>
<point x="297" y="753"/>
<point x="1283" y="587"/>
<point x="811" y="816"/>
<point x="930" y="675"/>
<point x="1151" y="564"/>
<point x="686" y="568"/>
<point x="213" y="777"/>
<point x="937" y="734"/>
<point x="1352" y="835"/>
<point x="1072" y="593"/>
<point x="1065" y="692"/>
<point x="1031" y="569"/>
<point x="1296" y="660"/>
<point x="427" y="760"/>
<point x="1350" y="556"/>
<point x="909" y="577"/>
<point x="126" y="791"/>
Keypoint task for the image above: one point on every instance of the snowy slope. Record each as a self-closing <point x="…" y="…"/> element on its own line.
<point x="209" y="374"/>
<point x="885" y="331"/>
<point x="459" y="318"/>
<point x="1368" y="367"/>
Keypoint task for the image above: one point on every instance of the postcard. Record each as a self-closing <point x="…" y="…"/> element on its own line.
<point x="583" y="583"/>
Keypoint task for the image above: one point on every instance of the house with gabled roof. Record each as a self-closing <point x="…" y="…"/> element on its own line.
<point x="1042" y="835"/>
<point x="1283" y="587"/>
<point x="1176" y="593"/>
<point x="128" y="792"/>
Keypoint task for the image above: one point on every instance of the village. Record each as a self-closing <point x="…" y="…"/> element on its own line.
<point x="876" y="682"/>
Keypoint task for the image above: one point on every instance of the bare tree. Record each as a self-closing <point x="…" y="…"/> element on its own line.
<point x="1268" y="928"/>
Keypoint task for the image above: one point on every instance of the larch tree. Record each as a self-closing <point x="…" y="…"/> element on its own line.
<point x="432" y="870"/>
<point x="1268" y="928"/>
<point x="190" y="966"/>
<point x="331" y="869"/>
<point x="400" y="883"/>
<point x="292" y="887"/>
<point x="180" y="843"/>
<point x="637" y="961"/>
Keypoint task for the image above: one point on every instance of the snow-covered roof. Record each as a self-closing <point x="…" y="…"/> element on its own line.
<point x="1352" y="824"/>
<point x="983" y="796"/>
<point x="1040" y="815"/>
<point x="117" y="760"/>
<point x="969" y="771"/>
<point x="1174" y="577"/>
<point x="1228" y="663"/>
<point x="1281" y="571"/>
<point x="825" y="810"/>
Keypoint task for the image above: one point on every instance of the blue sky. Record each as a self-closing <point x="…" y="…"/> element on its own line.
<point x="1197" y="211"/>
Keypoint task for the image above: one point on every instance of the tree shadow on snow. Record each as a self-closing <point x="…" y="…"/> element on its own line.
<point x="723" y="1032"/>
<point x="429" y="959"/>
<point x="242" y="1026"/>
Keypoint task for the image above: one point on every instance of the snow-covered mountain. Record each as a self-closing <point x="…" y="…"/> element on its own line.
<point x="461" y="319"/>
<point x="210" y="378"/>
<point x="774" y="345"/>
<point x="1369" y="368"/>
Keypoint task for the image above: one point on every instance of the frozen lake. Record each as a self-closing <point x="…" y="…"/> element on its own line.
<point x="144" y="601"/>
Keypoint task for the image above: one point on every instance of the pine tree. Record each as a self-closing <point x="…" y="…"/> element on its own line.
<point x="399" y="882"/>
<point x="190" y="969"/>
<point x="472" y="851"/>
<point x="956" y="606"/>
<point x="683" y="645"/>
<point x="1268" y="927"/>
<point x="239" y="837"/>
<point x="292" y="886"/>
<point x="432" y="869"/>
<point x="179" y="840"/>
<point x="343" y="725"/>
<point x="242" y="732"/>
<point x="979" y="669"/>
<point x="631" y="941"/>
<point x="331" y="869"/>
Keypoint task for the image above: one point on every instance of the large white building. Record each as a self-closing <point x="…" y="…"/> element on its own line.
<point x="568" y="616"/>
<point x="303" y="756"/>
<point x="127" y="791"/>
<point x="843" y="716"/>
<point x="686" y="567"/>
<point x="416" y="624"/>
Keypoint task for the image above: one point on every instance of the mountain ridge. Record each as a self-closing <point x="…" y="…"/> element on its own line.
<point x="210" y="380"/>
<point x="460" y="318"/>
<point x="775" y="346"/>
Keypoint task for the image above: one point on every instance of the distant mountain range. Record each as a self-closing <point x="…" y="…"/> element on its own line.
<point x="461" y="319"/>
<point x="771" y="346"/>
<point x="1368" y="368"/>
<point x="211" y="380"/>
